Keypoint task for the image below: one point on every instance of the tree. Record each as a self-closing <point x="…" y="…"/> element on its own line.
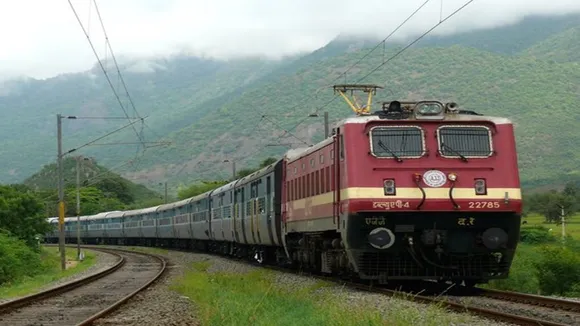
<point x="244" y="172"/>
<point x="21" y="214"/>
<point x="197" y="189"/>
<point x="267" y="162"/>
<point x="92" y="201"/>
<point x="550" y="205"/>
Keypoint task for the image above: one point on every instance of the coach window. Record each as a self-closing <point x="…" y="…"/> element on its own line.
<point x="311" y="162"/>
<point x="321" y="158"/>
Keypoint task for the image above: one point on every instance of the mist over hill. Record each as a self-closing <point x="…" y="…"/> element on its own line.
<point x="211" y="110"/>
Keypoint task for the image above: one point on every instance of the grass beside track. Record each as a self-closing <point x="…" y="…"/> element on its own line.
<point x="255" y="298"/>
<point x="50" y="272"/>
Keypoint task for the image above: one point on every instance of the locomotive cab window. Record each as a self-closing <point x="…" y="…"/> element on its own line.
<point x="397" y="142"/>
<point x="465" y="141"/>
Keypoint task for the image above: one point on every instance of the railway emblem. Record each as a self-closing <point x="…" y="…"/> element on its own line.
<point x="434" y="178"/>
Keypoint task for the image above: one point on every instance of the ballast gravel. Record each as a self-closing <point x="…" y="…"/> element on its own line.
<point x="102" y="261"/>
<point x="159" y="305"/>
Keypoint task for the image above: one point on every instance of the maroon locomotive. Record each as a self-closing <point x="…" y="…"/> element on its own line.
<point x="418" y="190"/>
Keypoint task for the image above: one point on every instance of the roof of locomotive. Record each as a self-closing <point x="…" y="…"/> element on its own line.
<point x="447" y="116"/>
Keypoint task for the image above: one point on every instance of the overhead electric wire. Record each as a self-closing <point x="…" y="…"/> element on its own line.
<point x="358" y="61"/>
<point x="139" y="136"/>
<point x="441" y="21"/>
<point x="385" y="39"/>
<point x="104" y="136"/>
<point x="114" y="59"/>
<point x="388" y="60"/>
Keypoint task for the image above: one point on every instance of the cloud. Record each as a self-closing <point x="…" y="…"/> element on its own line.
<point x="42" y="38"/>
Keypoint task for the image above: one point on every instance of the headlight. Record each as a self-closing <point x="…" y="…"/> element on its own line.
<point x="430" y="109"/>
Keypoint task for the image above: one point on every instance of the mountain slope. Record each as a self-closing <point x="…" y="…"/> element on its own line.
<point x="168" y="92"/>
<point x="562" y="47"/>
<point x="212" y="110"/>
<point x="485" y="82"/>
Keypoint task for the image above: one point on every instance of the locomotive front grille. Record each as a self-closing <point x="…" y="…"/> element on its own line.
<point x="375" y="264"/>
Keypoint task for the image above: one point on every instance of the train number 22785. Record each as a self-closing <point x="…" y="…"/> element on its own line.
<point x="483" y="204"/>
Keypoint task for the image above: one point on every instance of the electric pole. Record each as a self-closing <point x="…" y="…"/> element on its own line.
<point x="166" y="192"/>
<point x="79" y="208"/>
<point x="60" y="194"/>
<point x="326" y="124"/>
<point x="563" y="223"/>
<point x="233" y="170"/>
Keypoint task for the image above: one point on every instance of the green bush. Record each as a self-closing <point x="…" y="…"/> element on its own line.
<point x="558" y="270"/>
<point x="522" y="276"/>
<point x="17" y="260"/>
<point x="536" y="235"/>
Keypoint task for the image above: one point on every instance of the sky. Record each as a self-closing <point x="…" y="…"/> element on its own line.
<point x="42" y="38"/>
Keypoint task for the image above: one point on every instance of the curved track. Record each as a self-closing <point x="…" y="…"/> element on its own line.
<point x="83" y="301"/>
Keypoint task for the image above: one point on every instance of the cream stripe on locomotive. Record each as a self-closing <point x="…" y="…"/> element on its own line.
<point x="410" y="193"/>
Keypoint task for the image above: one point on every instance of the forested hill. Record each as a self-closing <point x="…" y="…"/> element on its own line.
<point x="212" y="110"/>
<point x="100" y="189"/>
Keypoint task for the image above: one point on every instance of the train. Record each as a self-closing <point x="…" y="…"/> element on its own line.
<point x="419" y="190"/>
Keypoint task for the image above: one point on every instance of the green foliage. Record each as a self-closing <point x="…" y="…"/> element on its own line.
<point x="558" y="270"/>
<point x="17" y="259"/>
<point x="547" y="269"/>
<point x="536" y="235"/>
<point x="100" y="190"/>
<point x="550" y="203"/>
<point x="21" y="214"/>
<point x="200" y="188"/>
<point x="522" y="276"/>
<point x="92" y="201"/>
<point x="33" y="280"/>
<point x="563" y="47"/>
<point x="244" y="172"/>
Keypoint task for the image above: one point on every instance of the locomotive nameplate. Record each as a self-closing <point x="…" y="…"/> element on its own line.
<point x="387" y="205"/>
<point x="483" y="204"/>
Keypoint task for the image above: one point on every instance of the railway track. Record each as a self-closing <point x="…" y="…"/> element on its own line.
<point x="511" y="307"/>
<point x="526" y="314"/>
<point x="83" y="301"/>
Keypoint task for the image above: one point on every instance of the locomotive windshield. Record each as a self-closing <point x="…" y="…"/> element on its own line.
<point x="397" y="142"/>
<point x="464" y="141"/>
